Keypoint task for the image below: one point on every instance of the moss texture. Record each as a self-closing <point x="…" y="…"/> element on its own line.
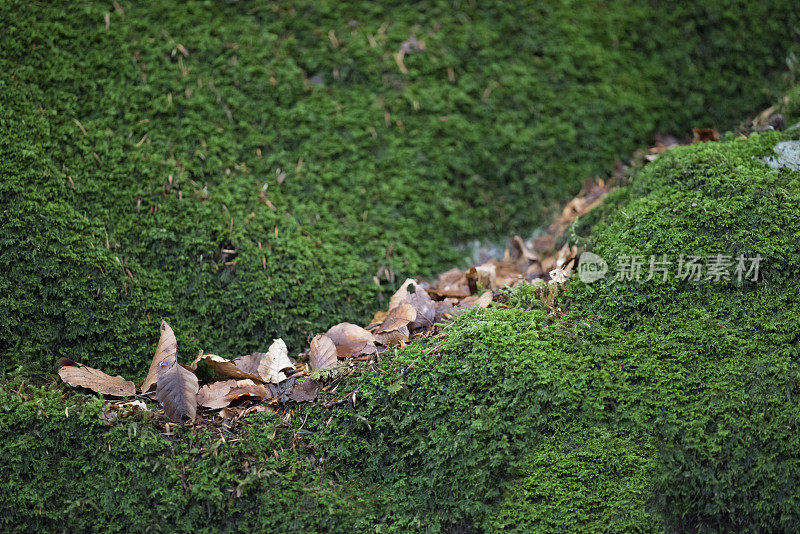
<point x="652" y="406"/>
<point x="504" y="113"/>
<point x="647" y="407"/>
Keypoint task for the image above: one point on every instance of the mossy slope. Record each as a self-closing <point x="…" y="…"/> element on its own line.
<point x="649" y="406"/>
<point x="395" y="167"/>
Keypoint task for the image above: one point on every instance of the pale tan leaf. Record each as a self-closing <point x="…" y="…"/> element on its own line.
<point x="167" y="349"/>
<point x="322" y="353"/>
<point x="176" y="390"/>
<point x="268" y="366"/>
<point x="351" y="340"/>
<point x="97" y="381"/>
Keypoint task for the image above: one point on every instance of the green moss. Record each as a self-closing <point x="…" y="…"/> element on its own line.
<point x="136" y="480"/>
<point x="395" y="167"/>
<point x="665" y="405"/>
<point x="651" y="405"/>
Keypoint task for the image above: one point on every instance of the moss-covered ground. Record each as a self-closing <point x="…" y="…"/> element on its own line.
<point x="137" y="159"/>
<point x="665" y="405"/>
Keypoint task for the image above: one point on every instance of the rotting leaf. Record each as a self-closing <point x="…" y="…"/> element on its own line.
<point x="86" y="377"/>
<point x="167" y="349"/>
<point x="351" y="340"/>
<point x="305" y="390"/>
<point x="176" y="390"/>
<point x="322" y="353"/>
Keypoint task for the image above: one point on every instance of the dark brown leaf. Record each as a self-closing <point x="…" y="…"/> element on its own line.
<point x="305" y="390"/>
<point x="176" y="390"/>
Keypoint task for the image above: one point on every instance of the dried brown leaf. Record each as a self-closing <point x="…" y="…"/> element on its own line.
<point x="225" y="368"/>
<point x="176" y="390"/>
<point x="393" y="338"/>
<point x="419" y="299"/>
<point x="398" y="317"/>
<point x="351" y="340"/>
<point x="218" y="395"/>
<point x="322" y="353"/>
<point x="483" y="301"/>
<point x="305" y="390"/>
<point x="453" y="283"/>
<point x="268" y="366"/>
<point x="96" y="380"/>
<point x="167" y="349"/>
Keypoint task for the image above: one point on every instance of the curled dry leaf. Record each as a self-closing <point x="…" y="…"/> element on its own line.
<point x="398" y="317"/>
<point x="268" y="366"/>
<point x="176" y="390"/>
<point x="305" y="390"/>
<point x="394" y="330"/>
<point x="167" y="349"/>
<point x="377" y="320"/>
<point x="225" y="368"/>
<point x="322" y="353"/>
<point x="419" y="299"/>
<point x="220" y="394"/>
<point x="96" y="380"/>
<point x="351" y="340"/>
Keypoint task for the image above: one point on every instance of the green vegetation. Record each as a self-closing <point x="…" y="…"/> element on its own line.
<point x="647" y="406"/>
<point x="665" y="405"/>
<point x="395" y="167"/>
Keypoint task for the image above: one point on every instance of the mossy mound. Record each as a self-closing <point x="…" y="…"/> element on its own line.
<point x="649" y="406"/>
<point x="142" y="144"/>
